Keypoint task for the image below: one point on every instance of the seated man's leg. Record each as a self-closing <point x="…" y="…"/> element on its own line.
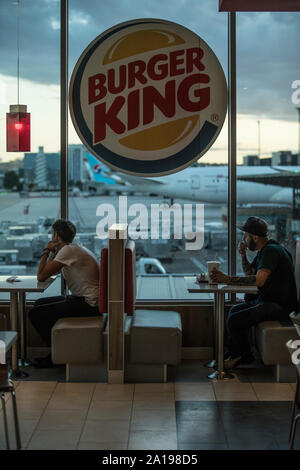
<point x="49" y="300"/>
<point x="239" y="322"/>
<point x="236" y="310"/>
<point x="44" y="316"/>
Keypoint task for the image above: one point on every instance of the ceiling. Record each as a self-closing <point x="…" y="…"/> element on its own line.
<point x="259" y="5"/>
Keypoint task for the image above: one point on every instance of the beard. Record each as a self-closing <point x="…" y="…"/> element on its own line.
<point x="252" y="245"/>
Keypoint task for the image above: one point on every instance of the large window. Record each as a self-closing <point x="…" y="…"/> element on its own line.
<point x="204" y="184"/>
<point x="29" y="182"/>
<point x="267" y="122"/>
<point x="267" y="139"/>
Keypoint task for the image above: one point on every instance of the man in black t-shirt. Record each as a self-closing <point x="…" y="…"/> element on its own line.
<point x="272" y="271"/>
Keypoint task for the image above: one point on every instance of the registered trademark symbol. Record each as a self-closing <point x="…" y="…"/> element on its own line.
<point x="214" y="117"/>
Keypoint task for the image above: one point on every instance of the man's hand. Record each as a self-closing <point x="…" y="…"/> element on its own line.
<point x="242" y="248"/>
<point x="52" y="246"/>
<point x="218" y="277"/>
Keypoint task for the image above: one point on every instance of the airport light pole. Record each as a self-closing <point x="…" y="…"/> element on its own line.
<point x="258" y="138"/>
<point x="298" y="109"/>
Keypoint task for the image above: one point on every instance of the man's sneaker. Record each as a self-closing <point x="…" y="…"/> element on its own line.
<point x="233" y="362"/>
<point x="226" y="355"/>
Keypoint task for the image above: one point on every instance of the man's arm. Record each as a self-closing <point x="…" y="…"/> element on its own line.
<point x="258" y="279"/>
<point x="248" y="269"/>
<point x="48" y="267"/>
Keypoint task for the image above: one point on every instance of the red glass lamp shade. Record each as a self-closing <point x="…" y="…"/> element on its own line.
<point x="18" y="129"/>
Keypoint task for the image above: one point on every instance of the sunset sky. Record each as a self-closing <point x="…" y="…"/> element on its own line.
<point x="268" y="61"/>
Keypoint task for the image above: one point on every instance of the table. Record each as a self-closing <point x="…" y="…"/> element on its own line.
<point x="219" y="291"/>
<point x="17" y="292"/>
<point x="8" y="338"/>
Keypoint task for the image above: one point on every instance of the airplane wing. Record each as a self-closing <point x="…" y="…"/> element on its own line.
<point x="138" y="179"/>
<point x="283" y="178"/>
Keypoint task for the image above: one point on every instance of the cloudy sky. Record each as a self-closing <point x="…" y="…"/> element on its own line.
<point x="268" y="61"/>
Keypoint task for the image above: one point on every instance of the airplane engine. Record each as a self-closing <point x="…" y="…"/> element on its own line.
<point x="283" y="196"/>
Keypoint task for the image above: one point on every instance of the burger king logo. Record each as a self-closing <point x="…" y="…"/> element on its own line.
<point x="148" y="97"/>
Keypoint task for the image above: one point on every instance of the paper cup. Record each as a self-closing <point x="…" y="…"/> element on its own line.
<point x="210" y="266"/>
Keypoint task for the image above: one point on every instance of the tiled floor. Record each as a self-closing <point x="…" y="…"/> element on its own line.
<point x="183" y="414"/>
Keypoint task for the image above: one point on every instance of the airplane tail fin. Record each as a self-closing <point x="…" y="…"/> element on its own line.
<point x="97" y="171"/>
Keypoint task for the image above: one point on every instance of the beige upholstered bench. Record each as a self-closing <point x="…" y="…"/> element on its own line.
<point x="152" y="337"/>
<point x="79" y="343"/>
<point x="270" y="339"/>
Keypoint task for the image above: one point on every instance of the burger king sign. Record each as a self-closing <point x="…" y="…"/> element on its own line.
<point x="148" y="97"/>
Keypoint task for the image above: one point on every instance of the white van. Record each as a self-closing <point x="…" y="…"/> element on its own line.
<point x="149" y="266"/>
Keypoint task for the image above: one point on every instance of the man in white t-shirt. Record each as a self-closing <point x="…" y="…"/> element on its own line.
<point x="80" y="270"/>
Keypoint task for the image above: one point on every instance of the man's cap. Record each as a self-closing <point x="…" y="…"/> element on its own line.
<point x="255" y="226"/>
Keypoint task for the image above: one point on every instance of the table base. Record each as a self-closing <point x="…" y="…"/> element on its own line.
<point x="220" y="375"/>
<point x="15" y="374"/>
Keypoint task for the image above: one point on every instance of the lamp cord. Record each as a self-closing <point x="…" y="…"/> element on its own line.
<point x="18" y="50"/>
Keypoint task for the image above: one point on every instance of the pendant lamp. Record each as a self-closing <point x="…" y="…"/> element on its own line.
<point x="18" y="120"/>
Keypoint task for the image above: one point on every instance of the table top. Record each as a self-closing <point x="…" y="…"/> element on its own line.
<point x="193" y="286"/>
<point x="9" y="337"/>
<point x="26" y="284"/>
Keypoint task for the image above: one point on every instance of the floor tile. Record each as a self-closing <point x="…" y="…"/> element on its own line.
<point x="234" y="391"/>
<point x="194" y="392"/>
<point x="102" y="446"/>
<point x="153" y="420"/>
<point x="207" y="446"/>
<point x="65" y="404"/>
<point x="150" y="404"/>
<point x="26" y="410"/>
<point x="152" y="440"/>
<point x="232" y="386"/>
<point x="154" y="396"/>
<point x="201" y="431"/>
<point x="273" y="392"/>
<point x="71" y="396"/>
<point x="56" y="419"/>
<point x="120" y="410"/>
<point x="142" y="416"/>
<point x="154" y="387"/>
<point x="27" y="427"/>
<point x="197" y="410"/>
<point x="253" y="417"/>
<point x="74" y="389"/>
<point x="105" y="431"/>
<point x="252" y="441"/>
<point x="57" y="439"/>
<point x="109" y="392"/>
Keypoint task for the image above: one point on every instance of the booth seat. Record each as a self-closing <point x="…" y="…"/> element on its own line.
<point x="271" y="338"/>
<point x="152" y="338"/>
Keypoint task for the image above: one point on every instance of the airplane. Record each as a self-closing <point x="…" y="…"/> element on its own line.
<point x="99" y="176"/>
<point x="203" y="184"/>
